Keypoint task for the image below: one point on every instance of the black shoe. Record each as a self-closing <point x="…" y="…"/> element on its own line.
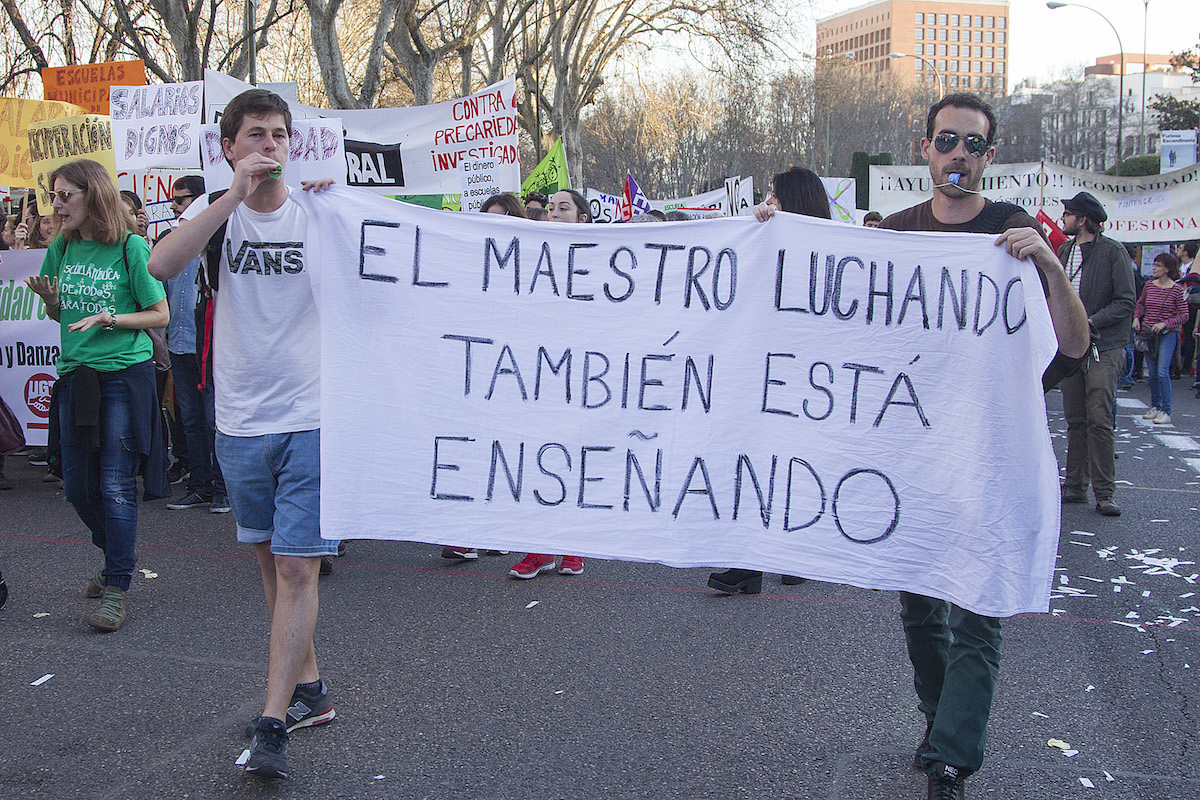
<point x="3" y="591"/>
<point x="946" y="783"/>
<point x="268" y="749"/>
<point x="39" y="457"/>
<point x="791" y="580"/>
<point x="305" y="710"/>
<point x="923" y="748"/>
<point x="326" y="565"/>
<point x="178" y="473"/>
<point x="732" y="581"/>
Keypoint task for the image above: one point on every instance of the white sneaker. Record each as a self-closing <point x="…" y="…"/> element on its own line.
<point x="1151" y="414"/>
<point x="1162" y="419"/>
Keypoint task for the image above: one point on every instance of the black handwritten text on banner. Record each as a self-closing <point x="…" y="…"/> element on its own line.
<point x="797" y="396"/>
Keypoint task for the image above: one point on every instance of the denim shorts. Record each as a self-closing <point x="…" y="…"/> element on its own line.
<point x="274" y="485"/>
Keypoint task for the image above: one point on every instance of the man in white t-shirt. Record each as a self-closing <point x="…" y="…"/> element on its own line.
<point x="267" y="371"/>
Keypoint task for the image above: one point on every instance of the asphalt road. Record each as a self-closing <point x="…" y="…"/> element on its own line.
<point x="629" y="681"/>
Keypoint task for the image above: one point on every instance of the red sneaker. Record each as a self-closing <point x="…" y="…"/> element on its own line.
<point x="571" y="565"/>
<point x="531" y="565"/>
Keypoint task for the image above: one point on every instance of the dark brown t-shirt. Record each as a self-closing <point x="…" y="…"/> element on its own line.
<point x="920" y="218"/>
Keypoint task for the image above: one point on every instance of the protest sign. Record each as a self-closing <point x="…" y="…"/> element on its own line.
<point x="315" y="151"/>
<point x="550" y="174"/>
<point x="1177" y="149"/>
<point x="87" y="85"/>
<point x="417" y="150"/>
<point x="604" y="207"/>
<point x="29" y="345"/>
<point x="703" y="205"/>
<point x="54" y="143"/>
<point x="1150" y="208"/>
<point x="157" y="126"/>
<point x="798" y="396"/>
<point x="480" y="180"/>
<point x="15" y="118"/>
<point x="739" y="196"/>
<point x="153" y="186"/>
<point x="841" y="193"/>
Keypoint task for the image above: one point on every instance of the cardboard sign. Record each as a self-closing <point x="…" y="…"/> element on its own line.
<point x="87" y="85"/>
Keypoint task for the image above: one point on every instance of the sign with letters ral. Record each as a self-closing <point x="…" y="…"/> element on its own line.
<point x="795" y="396"/>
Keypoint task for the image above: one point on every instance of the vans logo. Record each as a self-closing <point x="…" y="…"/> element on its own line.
<point x="266" y="258"/>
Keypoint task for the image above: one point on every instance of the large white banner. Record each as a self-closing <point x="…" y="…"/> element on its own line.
<point x="29" y="345"/>
<point x="315" y="151"/>
<point x="799" y="396"/>
<point x="1153" y="208"/>
<point x="415" y="150"/>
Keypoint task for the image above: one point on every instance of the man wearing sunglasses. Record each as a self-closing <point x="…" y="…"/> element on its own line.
<point x="1098" y="268"/>
<point x="955" y="652"/>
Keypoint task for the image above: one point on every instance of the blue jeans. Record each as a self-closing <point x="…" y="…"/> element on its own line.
<point x="197" y="412"/>
<point x="102" y="483"/>
<point x="1158" y="362"/>
<point x="1127" y="373"/>
<point x="955" y="654"/>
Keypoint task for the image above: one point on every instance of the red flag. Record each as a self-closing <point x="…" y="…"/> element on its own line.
<point x="1053" y="232"/>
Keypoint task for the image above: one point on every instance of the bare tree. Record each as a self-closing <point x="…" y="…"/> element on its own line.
<point x="327" y="47"/>
<point x="425" y="33"/>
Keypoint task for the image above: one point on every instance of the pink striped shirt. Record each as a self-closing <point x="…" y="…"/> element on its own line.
<point x="1157" y="304"/>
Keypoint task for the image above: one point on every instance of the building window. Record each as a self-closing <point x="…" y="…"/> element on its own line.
<point x="1000" y="52"/>
<point x="954" y="66"/>
<point x="942" y="34"/>
<point x="920" y="18"/>
<point x="979" y="22"/>
<point x="954" y="19"/>
<point x="942" y="64"/>
<point x="919" y="49"/>
<point x="1000" y="37"/>
<point x="989" y="83"/>
<point x="979" y="36"/>
<point x="1000" y="67"/>
<point x="941" y="19"/>
<point x="953" y="49"/>
<point x="978" y="52"/>
<point x="954" y="80"/>
<point x="941" y="49"/>
<point x="920" y="34"/>
<point x="1000" y="22"/>
<point x="978" y="82"/>
<point x="954" y="35"/>
<point x="989" y="22"/>
<point x="987" y="52"/>
<point x="920" y="65"/>
<point x="999" y="83"/>
<point x="989" y="37"/>
<point x="978" y="66"/>
<point x="988" y="66"/>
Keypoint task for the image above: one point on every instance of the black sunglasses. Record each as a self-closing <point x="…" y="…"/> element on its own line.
<point x="975" y="144"/>
<point x="179" y="198"/>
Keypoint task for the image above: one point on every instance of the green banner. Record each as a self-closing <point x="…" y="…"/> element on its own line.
<point x="550" y="175"/>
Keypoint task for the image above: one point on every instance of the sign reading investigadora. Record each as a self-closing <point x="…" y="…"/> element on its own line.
<point x="797" y="396"/>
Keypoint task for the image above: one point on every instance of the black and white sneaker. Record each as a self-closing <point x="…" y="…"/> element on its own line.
<point x="305" y="711"/>
<point x="191" y="500"/>
<point x="946" y="783"/>
<point x="268" y="749"/>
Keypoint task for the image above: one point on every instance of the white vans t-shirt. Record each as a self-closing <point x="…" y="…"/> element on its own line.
<point x="266" y="341"/>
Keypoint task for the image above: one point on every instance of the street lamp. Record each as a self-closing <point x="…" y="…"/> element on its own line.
<point x="1143" y="144"/>
<point x="828" y="55"/>
<point x="1121" y="90"/>
<point x="932" y="66"/>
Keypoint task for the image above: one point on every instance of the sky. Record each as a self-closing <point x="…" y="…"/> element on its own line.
<point x="1047" y="43"/>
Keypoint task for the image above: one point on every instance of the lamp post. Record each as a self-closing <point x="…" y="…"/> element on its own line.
<point x="932" y="66"/>
<point x="1143" y="143"/>
<point x="828" y="55"/>
<point x="1121" y="90"/>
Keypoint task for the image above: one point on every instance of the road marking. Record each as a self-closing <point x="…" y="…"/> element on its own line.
<point x="1130" y="402"/>
<point x="1176" y="442"/>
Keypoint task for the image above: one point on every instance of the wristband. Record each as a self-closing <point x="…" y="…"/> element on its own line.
<point x="112" y="325"/>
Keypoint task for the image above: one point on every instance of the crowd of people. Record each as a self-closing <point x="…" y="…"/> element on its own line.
<point x="243" y="380"/>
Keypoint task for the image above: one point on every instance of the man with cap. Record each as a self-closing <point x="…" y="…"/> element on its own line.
<point x="1098" y="268"/>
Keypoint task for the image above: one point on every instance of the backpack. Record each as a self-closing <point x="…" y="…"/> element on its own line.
<point x="207" y="280"/>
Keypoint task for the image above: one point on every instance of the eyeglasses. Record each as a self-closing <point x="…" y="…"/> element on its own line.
<point x="180" y="199"/>
<point x="975" y="144"/>
<point x="63" y="194"/>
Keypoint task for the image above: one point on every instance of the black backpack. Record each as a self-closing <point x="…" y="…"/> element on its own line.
<point x="207" y="280"/>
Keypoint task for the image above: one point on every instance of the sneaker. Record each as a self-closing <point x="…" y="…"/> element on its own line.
<point x="460" y="553"/>
<point x="95" y="587"/>
<point x="268" y="749"/>
<point x="40" y="458"/>
<point x="1151" y="414"/>
<point x="219" y="505"/>
<point x="1163" y="418"/>
<point x="111" y="614"/>
<point x="1108" y="508"/>
<point x="946" y="783"/>
<point x="178" y="473"/>
<point x="305" y="711"/>
<point x="192" y="500"/>
<point x="571" y="565"/>
<point x="531" y="566"/>
<point x="326" y="565"/>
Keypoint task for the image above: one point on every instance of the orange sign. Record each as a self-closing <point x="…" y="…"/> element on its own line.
<point x="87" y="85"/>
